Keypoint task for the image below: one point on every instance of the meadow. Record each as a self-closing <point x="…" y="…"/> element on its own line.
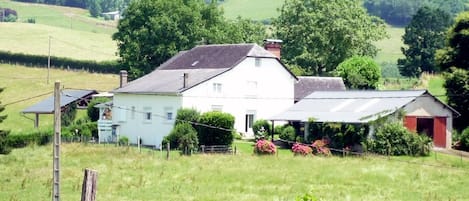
<point x="22" y="83"/>
<point x="124" y="173"/>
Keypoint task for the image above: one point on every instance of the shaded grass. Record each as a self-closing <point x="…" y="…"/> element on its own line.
<point x="24" y="82"/>
<point x="126" y="174"/>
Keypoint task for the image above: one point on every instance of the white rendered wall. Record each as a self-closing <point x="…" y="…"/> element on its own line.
<point x="134" y="124"/>
<point x="429" y="107"/>
<point x="274" y="92"/>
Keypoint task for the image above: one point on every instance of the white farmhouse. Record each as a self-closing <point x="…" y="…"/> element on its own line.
<point x="244" y="80"/>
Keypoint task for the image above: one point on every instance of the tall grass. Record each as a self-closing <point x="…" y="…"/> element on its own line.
<point x="24" y="82"/>
<point x="126" y="174"/>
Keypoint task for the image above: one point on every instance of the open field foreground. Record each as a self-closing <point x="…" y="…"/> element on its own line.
<point x="22" y="84"/>
<point x="125" y="174"/>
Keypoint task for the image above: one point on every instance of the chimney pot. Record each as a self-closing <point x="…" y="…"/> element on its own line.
<point x="123" y="78"/>
<point x="273" y="46"/>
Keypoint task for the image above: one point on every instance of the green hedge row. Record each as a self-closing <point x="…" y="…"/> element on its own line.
<point x="60" y="62"/>
<point x="39" y="137"/>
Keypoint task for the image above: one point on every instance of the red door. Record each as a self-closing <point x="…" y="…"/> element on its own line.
<point x="410" y="123"/>
<point x="439" y="131"/>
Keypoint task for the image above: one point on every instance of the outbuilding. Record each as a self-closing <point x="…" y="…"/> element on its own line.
<point x="424" y="113"/>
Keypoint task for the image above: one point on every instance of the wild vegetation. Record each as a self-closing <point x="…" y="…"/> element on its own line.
<point x="131" y="175"/>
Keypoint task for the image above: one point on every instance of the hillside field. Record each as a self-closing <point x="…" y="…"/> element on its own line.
<point x="125" y="174"/>
<point x="25" y="82"/>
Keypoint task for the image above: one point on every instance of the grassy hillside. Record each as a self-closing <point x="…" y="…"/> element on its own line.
<point x="26" y="174"/>
<point x="390" y="48"/>
<point x="34" y="39"/>
<point x="256" y="10"/>
<point x="24" y="82"/>
<point x="59" y="16"/>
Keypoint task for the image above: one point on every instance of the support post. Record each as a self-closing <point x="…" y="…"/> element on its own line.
<point x="167" y="151"/>
<point x="272" y="131"/>
<point x="36" y="121"/>
<point x="48" y="63"/>
<point x="88" y="190"/>
<point x="57" y="141"/>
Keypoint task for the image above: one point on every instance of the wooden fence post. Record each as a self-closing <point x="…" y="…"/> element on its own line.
<point x="88" y="190"/>
<point x="167" y="151"/>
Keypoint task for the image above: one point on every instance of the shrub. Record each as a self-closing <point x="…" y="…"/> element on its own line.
<point x="261" y="129"/>
<point x="188" y="143"/>
<point x="300" y="149"/>
<point x="179" y="131"/>
<point x="39" y="137"/>
<point x="288" y="133"/>
<point x="463" y="140"/>
<point x="124" y="140"/>
<point x="395" y="139"/>
<point x="5" y="147"/>
<point x="264" y="147"/>
<point x="278" y="129"/>
<point x="215" y="128"/>
<point x="187" y="115"/>
<point x="320" y="147"/>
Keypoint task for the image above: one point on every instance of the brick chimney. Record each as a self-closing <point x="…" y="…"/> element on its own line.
<point x="274" y="46"/>
<point x="123" y="78"/>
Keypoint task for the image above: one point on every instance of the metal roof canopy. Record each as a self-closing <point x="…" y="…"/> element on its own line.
<point x="350" y="106"/>
<point x="46" y="106"/>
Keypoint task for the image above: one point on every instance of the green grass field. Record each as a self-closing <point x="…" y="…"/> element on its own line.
<point x="59" y="16"/>
<point x="34" y="39"/>
<point x="24" y="82"/>
<point x="256" y="10"/>
<point x="390" y="48"/>
<point x="125" y="174"/>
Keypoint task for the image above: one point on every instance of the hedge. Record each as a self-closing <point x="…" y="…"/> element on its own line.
<point x="60" y="62"/>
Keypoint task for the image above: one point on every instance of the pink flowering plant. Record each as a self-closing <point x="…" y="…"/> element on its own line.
<point x="300" y="149"/>
<point x="264" y="147"/>
<point x="320" y="147"/>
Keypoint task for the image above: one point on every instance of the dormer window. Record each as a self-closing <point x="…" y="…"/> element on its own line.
<point x="257" y="62"/>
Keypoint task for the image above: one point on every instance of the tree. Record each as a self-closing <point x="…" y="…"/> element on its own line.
<point x="400" y="12"/>
<point x="456" y="52"/>
<point x="69" y="114"/>
<point x="4" y="146"/>
<point x="423" y="36"/>
<point x="455" y="59"/>
<point x="94" y="7"/>
<point x="317" y="35"/>
<point x="152" y="31"/>
<point x="359" y="73"/>
<point x="457" y="90"/>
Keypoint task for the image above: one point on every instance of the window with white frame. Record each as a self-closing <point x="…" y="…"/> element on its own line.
<point x="147" y="115"/>
<point x="218" y="108"/>
<point x="217" y="88"/>
<point x="169" y="113"/>
<point x="257" y="62"/>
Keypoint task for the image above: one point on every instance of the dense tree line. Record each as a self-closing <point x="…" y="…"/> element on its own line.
<point x="400" y="12"/>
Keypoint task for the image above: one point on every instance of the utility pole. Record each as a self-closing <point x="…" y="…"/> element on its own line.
<point x="56" y="155"/>
<point x="48" y="63"/>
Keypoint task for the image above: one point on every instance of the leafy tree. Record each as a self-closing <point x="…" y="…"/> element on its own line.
<point x="359" y="73"/>
<point x="187" y="115"/>
<point x="154" y="30"/>
<point x="400" y="12"/>
<point x="456" y="52"/>
<point x="457" y="90"/>
<point x="423" y="36"/>
<point x="317" y="35"/>
<point x="68" y="114"/>
<point x="4" y="146"/>
<point x="94" y="7"/>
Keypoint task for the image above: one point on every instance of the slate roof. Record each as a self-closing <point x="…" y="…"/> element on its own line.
<point x="201" y="63"/>
<point x="309" y="84"/>
<point x="350" y="106"/>
<point x="68" y="96"/>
